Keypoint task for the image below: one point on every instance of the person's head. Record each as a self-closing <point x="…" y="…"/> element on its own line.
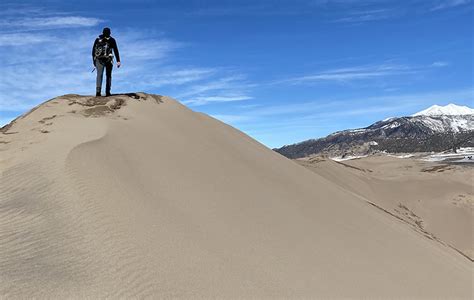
<point x="106" y="31"/>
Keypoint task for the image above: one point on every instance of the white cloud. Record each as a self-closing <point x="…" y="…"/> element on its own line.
<point x="366" y="16"/>
<point x="35" y="72"/>
<point x="179" y="77"/>
<point x="139" y="48"/>
<point x="440" y="64"/>
<point x="41" y="23"/>
<point x="355" y="73"/>
<point x="19" y="39"/>
<point x="232" y="84"/>
<point x="209" y="99"/>
<point x="449" y="4"/>
<point x="40" y="63"/>
<point x="358" y="106"/>
<point x="368" y="72"/>
<point x="58" y="22"/>
<point x="18" y="10"/>
<point x="317" y="118"/>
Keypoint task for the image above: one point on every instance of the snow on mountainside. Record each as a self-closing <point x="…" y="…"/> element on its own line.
<point x="448" y="123"/>
<point x="437" y="128"/>
<point x="434" y="123"/>
<point x="448" y="110"/>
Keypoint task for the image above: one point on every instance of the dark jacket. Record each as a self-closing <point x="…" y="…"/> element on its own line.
<point x="112" y="44"/>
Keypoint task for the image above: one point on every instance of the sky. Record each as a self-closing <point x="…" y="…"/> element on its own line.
<point x="280" y="71"/>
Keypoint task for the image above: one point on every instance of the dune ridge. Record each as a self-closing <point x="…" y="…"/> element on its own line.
<point x="138" y="196"/>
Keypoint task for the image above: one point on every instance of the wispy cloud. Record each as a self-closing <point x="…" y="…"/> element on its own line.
<point x="60" y="22"/>
<point x="440" y="64"/>
<point x="366" y="16"/>
<point x="41" y="62"/>
<point x="299" y="120"/>
<point x="394" y="104"/>
<point x="19" y="39"/>
<point x="366" y="11"/>
<point x="353" y="73"/>
<point x="39" y="23"/>
<point x="360" y="73"/>
<point x="233" y="86"/>
<point x="35" y="72"/>
<point x="445" y="4"/>
<point x="21" y="9"/>
<point x="63" y="64"/>
<point x="171" y="77"/>
<point x="209" y="99"/>
<point x="139" y="47"/>
<point x="345" y="3"/>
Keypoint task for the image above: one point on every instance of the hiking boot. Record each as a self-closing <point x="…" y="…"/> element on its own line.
<point x="97" y="92"/>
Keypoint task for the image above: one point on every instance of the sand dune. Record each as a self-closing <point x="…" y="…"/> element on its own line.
<point x="434" y="198"/>
<point x="138" y="196"/>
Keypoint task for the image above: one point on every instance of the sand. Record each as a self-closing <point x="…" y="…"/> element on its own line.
<point x="139" y="196"/>
<point x="436" y="199"/>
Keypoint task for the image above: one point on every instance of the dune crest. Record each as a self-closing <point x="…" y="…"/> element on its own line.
<point x="136" y="195"/>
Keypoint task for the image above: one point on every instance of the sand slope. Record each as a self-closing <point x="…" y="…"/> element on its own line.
<point x="436" y="199"/>
<point x="144" y="197"/>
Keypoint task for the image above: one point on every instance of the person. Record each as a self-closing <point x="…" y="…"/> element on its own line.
<point x="102" y="58"/>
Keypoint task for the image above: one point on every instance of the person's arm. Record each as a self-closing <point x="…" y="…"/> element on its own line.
<point x="116" y="52"/>
<point x="93" y="52"/>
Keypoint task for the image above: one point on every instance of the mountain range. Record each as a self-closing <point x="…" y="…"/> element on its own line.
<point x="435" y="129"/>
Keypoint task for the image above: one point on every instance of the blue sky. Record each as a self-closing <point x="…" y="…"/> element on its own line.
<point x="281" y="71"/>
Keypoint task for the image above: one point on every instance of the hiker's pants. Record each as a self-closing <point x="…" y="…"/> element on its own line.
<point x="101" y="65"/>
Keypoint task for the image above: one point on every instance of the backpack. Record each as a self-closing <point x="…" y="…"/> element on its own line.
<point x="103" y="51"/>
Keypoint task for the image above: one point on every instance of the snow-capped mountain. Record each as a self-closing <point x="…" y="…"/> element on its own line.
<point x="437" y="128"/>
<point x="447" y="110"/>
<point x="445" y="123"/>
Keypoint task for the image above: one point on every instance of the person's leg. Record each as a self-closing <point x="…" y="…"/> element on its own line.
<point x="108" y="75"/>
<point x="100" y="73"/>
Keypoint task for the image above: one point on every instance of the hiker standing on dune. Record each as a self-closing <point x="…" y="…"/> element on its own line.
<point x="102" y="57"/>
